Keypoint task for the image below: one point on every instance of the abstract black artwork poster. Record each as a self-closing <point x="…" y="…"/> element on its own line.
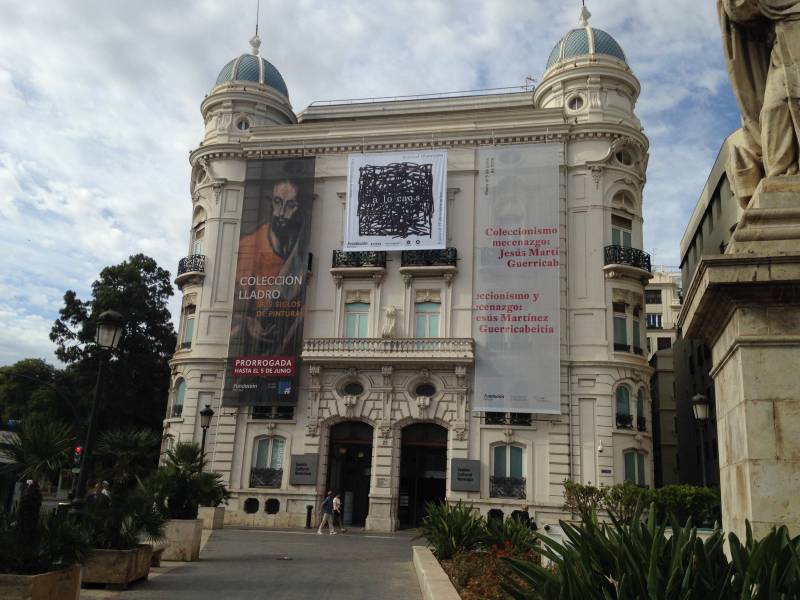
<point x="396" y="201"/>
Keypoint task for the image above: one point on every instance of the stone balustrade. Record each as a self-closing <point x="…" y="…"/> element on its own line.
<point x="461" y="350"/>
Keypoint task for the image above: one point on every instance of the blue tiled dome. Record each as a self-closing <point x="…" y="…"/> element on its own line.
<point x="585" y="41"/>
<point x="249" y="67"/>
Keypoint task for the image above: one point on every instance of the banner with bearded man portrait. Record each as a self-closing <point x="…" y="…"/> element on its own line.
<point x="271" y="271"/>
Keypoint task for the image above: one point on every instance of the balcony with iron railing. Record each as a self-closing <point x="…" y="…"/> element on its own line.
<point x="357" y="264"/>
<point x="641" y="424"/>
<point x="265" y="478"/>
<point x="624" y="421"/>
<point x="191" y="269"/>
<point x="387" y="350"/>
<point x="507" y="487"/>
<point x="425" y="263"/>
<point x="627" y="262"/>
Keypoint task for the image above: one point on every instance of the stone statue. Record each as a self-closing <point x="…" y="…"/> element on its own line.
<point x="761" y="42"/>
<point x="389" y="321"/>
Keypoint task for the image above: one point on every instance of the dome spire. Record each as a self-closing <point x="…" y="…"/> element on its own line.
<point x="255" y="41"/>
<point x="585" y="14"/>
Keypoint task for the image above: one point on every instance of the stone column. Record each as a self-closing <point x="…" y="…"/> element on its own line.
<point x="746" y="306"/>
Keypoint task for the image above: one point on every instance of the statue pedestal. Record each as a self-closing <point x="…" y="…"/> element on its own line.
<point x="745" y="304"/>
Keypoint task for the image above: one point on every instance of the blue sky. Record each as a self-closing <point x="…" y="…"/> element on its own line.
<point x="99" y="102"/>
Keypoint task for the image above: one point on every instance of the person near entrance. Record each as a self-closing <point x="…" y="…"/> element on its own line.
<point x="327" y="514"/>
<point x="337" y="513"/>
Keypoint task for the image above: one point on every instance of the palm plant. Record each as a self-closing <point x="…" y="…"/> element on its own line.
<point x="125" y="512"/>
<point x="451" y="528"/>
<point x="181" y="485"/>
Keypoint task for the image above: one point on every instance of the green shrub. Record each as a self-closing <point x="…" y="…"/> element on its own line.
<point x="638" y="561"/>
<point x="451" y="528"/>
<point x="514" y="535"/>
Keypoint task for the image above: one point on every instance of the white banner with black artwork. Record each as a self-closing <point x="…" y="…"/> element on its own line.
<point x="516" y="303"/>
<point x="396" y="201"/>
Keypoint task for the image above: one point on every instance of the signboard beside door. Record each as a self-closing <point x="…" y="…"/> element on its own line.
<point x="304" y="469"/>
<point x="465" y="475"/>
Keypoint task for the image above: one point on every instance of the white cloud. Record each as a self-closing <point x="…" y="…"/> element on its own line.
<point x="100" y="106"/>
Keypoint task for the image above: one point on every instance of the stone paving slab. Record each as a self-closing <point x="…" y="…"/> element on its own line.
<point x="247" y="564"/>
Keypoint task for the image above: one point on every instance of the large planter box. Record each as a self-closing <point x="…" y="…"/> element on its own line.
<point x="212" y="516"/>
<point x="117" y="568"/>
<point x="53" y="585"/>
<point x="184" y="537"/>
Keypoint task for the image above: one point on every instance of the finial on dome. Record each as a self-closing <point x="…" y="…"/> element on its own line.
<point x="585" y="14"/>
<point x="255" y="44"/>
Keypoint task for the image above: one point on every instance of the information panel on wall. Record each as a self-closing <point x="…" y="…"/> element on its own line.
<point x="396" y="201"/>
<point x="266" y="334"/>
<point x="516" y="303"/>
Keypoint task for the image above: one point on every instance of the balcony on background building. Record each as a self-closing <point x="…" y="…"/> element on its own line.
<point x="621" y="347"/>
<point x="622" y="261"/>
<point x="351" y="260"/>
<point x="507" y="487"/>
<point x="388" y="350"/>
<point x="624" y="421"/>
<point x="265" y="478"/>
<point x="191" y="269"/>
<point x="501" y="418"/>
<point x="641" y="423"/>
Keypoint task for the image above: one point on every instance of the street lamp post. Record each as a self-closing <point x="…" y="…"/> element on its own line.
<point x="109" y="331"/>
<point x="205" y="423"/>
<point x="700" y="410"/>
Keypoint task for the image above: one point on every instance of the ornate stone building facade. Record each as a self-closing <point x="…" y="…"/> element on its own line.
<point x="387" y="367"/>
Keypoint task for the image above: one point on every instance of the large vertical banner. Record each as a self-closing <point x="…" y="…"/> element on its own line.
<point x="272" y="266"/>
<point x="516" y="304"/>
<point x="396" y="201"/>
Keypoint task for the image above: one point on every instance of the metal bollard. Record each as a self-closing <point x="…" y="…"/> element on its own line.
<point x="309" y="508"/>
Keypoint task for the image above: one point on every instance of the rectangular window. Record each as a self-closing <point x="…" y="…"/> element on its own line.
<point x="652" y="296"/>
<point x="427" y="319"/>
<point x="621" y="231"/>
<point x="188" y="330"/>
<point x="356" y="320"/>
<point x="515" y="462"/>
<point x="640" y="469"/>
<point x="654" y="320"/>
<point x="197" y="242"/>
<point x="664" y="343"/>
<point x="620" y="330"/>
<point x="637" y="338"/>
<point x="630" y="466"/>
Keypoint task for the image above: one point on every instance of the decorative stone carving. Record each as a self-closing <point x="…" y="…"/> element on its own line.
<point x="271" y="426"/>
<point x="389" y="322"/>
<point x="423" y="402"/>
<point x="461" y="375"/>
<point x="509" y="435"/>
<point x="337" y="280"/>
<point x="352" y="372"/>
<point x="385" y="431"/>
<point x="407" y="279"/>
<point x="312" y="429"/>
<point x="761" y="43"/>
<point x="597" y="173"/>
<point x="386" y="373"/>
<point x="350" y="405"/>
<point x="425" y="373"/>
<point x="460" y="432"/>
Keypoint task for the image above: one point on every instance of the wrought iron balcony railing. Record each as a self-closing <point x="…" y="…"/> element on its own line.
<point x="624" y="421"/>
<point x="266" y="478"/>
<point x="507" y="487"/>
<point x="500" y="418"/>
<point x="447" y="257"/>
<point x="633" y="257"/>
<point x="641" y="423"/>
<point x="621" y="347"/>
<point x="358" y="259"/>
<point x="196" y="263"/>
<point x="637" y="350"/>
<point x="186" y="345"/>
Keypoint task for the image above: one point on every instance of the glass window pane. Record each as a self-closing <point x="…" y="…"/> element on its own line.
<point x="433" y="326"/>
<point x="180" y="392"/>
<point x="640" y="404"/>
<point x="262" y="451"/>
<point x="499" y="461"/>
<point x="516" y="462"/>
<point x="422" y="326"/>
<point x="428" y="307"/>
<point x="640" y="468"/>
<point x="362" y="325"/>
<point x="630" y="466"/>
<point x="620" y="330"/>
<point x="188" y="330"/>
<point x="626" y="239"/>
<point x="615" y="237"/>
<point x="637" y="339"/>
<point x="351" y="326"/>
<point x="276" y="458"/>
<point x="623" y="400"/>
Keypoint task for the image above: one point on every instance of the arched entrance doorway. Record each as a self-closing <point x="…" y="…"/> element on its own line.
<point x="423" y="470"/>
<point x="349" y="468"/>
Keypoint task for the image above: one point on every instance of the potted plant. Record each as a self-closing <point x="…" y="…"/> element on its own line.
<point x="39" y="554"/>
<point x="180" y="487"/>
<point x="121" y="510"/>
<point x="212" y="511"/>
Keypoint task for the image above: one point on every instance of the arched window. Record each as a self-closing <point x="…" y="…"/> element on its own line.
<point x="624" y="416"/>
<point x="267" y="466"/>
<point x="177" y="404"/>
<point x="507" y="480"/>
<point x="634" y="467"/>
<point x="198" y="230"/>
<point x="188" y="326"/>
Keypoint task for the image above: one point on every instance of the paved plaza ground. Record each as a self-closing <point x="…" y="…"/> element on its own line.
<point x="246" y="564"/>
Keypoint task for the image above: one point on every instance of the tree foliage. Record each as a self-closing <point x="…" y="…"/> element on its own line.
<point x="137" y="380"/>
<point x="34" y="389"/>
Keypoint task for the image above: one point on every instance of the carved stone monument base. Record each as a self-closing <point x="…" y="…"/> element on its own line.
<point x="746" y="306"/>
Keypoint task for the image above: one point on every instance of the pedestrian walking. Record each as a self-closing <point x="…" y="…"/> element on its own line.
<point x="337" y="513"/>
<point x="327" y="514"/>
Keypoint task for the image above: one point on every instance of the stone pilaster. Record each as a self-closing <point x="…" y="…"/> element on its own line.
<point x="746" y="306"/>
